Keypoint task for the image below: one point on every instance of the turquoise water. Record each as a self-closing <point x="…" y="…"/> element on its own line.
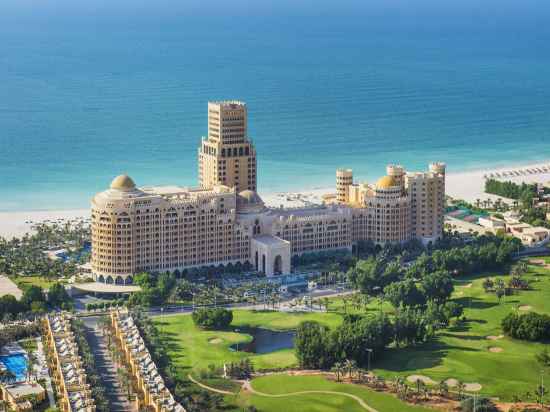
<point x="88" y="92"/>
<point x="17" y="364"/>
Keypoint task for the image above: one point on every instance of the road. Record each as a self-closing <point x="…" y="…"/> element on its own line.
<point x="106" y="366"/>
<point x="258" y="306"/>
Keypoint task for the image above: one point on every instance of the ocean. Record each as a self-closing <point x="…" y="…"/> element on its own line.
<point x="91" y="91"/>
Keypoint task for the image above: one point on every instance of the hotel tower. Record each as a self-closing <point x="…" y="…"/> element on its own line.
<point x="225" y="222"/>
<point x="226" y="156"/>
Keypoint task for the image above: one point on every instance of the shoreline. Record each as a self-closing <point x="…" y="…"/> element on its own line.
<point x="467" y="185"/>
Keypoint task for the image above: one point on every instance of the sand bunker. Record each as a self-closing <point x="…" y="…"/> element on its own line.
<point x="452" y="382"/>
<point x="495" y="349"/>
<point x="472" y="387"/>
<point x="459" y="293"/>
<point x="492" y="337"/>
<point x="425" y="379"/>
<point x="215" y="341"/>
<point x="469" y="285"/>
<point x="525" y="308"/>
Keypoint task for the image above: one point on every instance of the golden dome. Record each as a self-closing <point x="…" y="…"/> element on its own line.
<point x="123" y="182"/>
<point x="386" y="182"/>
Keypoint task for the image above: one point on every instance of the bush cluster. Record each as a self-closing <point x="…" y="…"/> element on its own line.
<point x="529" y="326"/>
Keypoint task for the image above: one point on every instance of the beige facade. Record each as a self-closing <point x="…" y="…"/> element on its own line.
<point x="68" y="374"/>
<point x="146" y="382"/>
<point x="226" y="156"/>
<point x="172" y="228"/>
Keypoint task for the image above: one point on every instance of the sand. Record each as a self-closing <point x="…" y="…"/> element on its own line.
<point x="525" y="308"/>
<point x="468" y="185"/>
<point x="16" y="224"/>
<point x="452" y="382"/>
<point x="472" y="387"/>
<point x="425" y="379"/>
<point x="492" y="337"/>
<point x="495" y="349"/>
<point x="215" y="341"/>
<point x="7" y="287"/>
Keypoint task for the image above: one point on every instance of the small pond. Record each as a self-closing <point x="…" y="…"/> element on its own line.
<point x="265" y="340"/>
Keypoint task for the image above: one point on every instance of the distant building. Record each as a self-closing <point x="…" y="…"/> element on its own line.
<point x="225" y="222"/>
<point x="19" y="395"/>
<point x="528" y="234"/>
<point x="491" y="222"/>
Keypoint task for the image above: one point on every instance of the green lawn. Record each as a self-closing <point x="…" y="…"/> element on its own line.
<point x="25" y="281"/>
<point x="462" y="351"/>
<point x="281" y="384"/>
<point x="194" y="348"/>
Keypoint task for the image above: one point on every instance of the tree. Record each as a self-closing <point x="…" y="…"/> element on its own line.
<point x="312" y="345"/>
<point x="500" y="292"/>
<point x="453" y="310"/>
<point x="409" y="326"/>
<point x="212" y="318"/>
<point x="58" y="296"/>
<point x="338" y="369"/>
<point x="437" y="286"/>
<point x="33" y="294"/>
<point x="488" y="284"/>
<point x="543" y="358"/>
<point x="350" y="366"/>
<point x="404" y="293"/>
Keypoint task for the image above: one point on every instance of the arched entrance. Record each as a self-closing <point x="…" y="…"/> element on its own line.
<point x="278" y="265"/>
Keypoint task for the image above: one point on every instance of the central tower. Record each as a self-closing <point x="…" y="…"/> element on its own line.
<point x="227" y="156"/>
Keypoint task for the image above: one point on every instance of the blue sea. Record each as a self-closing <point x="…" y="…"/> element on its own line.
<point x="92" y="89"/>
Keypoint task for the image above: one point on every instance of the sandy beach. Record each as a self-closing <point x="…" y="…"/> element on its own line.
<point x="467" y="185"/>
<point x="16" y="224"/>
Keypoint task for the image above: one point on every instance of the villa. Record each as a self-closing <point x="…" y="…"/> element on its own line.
<point x="66" y="365"/>
<point x="152" y="392"/>
<point x="19" y="395"/>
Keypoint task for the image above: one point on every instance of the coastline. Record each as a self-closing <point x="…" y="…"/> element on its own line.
<point x="467" y="185"/>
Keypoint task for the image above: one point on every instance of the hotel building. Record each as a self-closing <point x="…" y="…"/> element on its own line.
<point x="225" y="221"/>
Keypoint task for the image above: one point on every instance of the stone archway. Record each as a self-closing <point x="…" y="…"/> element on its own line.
<point x="101" y="279"/>
<point x="278" y="265"/>
<point x="119" y="280"/>
<point x="109" y="280"/>
<point x="129" y="280"/>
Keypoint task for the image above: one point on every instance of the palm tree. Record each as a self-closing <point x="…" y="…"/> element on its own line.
<point x="419" y="386"/>
<point x="443" y="388"/>
<point x="350" y="366"/>
<point x="461" y="387"/>
<point x="338" y="370"/>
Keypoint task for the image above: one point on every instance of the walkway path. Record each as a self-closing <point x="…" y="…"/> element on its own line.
<point x="106" y="366"/>
<point x="209" y="388"/>
<point x="247" y="386"/>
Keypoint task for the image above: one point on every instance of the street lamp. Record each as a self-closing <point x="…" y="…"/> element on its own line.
<point x="369" y="351"/>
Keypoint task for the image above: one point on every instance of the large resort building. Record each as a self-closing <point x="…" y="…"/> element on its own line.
<point x="224" y="221"/>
